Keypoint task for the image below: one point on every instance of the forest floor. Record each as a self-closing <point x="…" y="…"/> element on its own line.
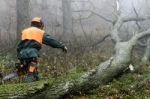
<point x="130" y="85"/>
<point x="127" y="86"/>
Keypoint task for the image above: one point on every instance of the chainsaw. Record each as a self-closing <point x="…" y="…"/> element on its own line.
<point x="9" y="76"/>
<point x="18" y="72"/>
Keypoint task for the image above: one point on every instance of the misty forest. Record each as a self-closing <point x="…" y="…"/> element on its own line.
<point x="105" y="49"/>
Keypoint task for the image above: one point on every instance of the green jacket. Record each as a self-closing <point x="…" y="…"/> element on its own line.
<point x="29" y="49"/>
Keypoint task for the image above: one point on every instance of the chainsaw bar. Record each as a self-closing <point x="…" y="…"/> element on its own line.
<point x="10" y="76"/>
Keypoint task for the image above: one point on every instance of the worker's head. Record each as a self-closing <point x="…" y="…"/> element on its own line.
<point x="37" y="22"/>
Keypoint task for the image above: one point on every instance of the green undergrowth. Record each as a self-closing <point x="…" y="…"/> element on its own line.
<point x="6" y="88"/>
<point x="128" y="86"/>
<point x="72" y="74"/>
<point x="22" y="89"/>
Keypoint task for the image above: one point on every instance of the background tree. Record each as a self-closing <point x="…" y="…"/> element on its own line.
<point x="23" y="17"/>
<point x="67" y="18"/>
<point x="105" y="71"/>
<point x="103" y="17"/>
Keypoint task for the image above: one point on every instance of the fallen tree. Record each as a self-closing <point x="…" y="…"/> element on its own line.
<point x="101" y="75"/>
<point x="107" y="70"/>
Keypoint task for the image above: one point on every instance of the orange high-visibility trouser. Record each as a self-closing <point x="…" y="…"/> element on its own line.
<point x="28" y="65"/>
<point x="32" y="67"/>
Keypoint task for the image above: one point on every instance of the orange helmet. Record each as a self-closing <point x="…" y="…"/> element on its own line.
<point x="36" y="19"/>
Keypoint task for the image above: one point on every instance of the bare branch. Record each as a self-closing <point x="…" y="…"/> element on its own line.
<point x="139" y="36"/>
<point x="119" y="23"/>
<point x="81" y="11"/>
<point x="79" y="1"/>
<point x="84" y="18"/>
<point x="127" y="19"/>
<point x="104" y="18"/>
<point x="101" y="40"/>
<point x="141" y="44"/>
<point x="84" y="32"/>
<point x="95" y="13"/>
<point x="139" y="27"/>
<point x="80" y="20"/>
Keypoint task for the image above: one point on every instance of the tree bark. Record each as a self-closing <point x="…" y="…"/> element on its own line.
<point x="146" y="56"/>
<point x="101" y="75"/>
<point x="23" y="17"/>
<point x="67" y="18"/>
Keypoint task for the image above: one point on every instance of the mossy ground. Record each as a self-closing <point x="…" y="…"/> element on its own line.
<point x="19" y="90"/>
<point x="128" y="86"/>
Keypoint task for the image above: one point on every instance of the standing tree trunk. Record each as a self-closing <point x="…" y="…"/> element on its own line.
<point x="23" y="18"/>
<point x="102" y="74"/>
<point x="67" y="18"/>
<point x="146" y="56"/>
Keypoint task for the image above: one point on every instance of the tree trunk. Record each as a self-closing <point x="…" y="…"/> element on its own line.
<point x="67" y="19"/>
<point x="146" y="56"/>
<point x="102" y="74"/>
<point x="23" y="18"/>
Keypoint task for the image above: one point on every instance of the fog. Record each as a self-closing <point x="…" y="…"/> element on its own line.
<point x="87" y="16"/>
<point x="95" y="43"/>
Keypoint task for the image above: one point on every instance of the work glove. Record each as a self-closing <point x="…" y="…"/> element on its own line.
<point x="64" y="49"/>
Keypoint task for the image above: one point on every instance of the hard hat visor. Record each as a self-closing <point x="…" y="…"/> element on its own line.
<point x="36" y="19"/>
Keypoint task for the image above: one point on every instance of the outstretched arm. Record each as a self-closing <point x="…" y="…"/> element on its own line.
<point x="48" y="40"/>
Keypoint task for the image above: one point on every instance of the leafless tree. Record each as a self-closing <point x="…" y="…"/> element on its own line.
<point x="105" y="71"/>
<point x="22" y="7"/>
<point x="67" y="18"/>
<point x="23" y="17"/>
